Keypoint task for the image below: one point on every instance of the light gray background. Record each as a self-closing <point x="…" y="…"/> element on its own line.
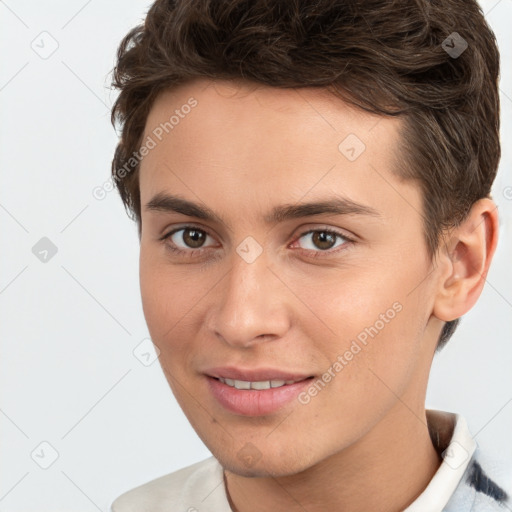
<point x="69" y="326"/>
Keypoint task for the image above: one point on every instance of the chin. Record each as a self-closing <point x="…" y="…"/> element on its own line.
<point x="267" y="466"/>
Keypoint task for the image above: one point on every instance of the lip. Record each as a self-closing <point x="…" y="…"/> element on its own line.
<point x="252" y="402"/>
<point x="252" y="374"/>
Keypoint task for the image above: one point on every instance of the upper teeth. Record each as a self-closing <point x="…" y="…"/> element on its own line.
<point x="263" y="384"/>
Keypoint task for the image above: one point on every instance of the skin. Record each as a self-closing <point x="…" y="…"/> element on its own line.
<point x="241" y="151"/>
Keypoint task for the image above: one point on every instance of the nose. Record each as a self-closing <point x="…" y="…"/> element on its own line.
<point x="250" y="306"/>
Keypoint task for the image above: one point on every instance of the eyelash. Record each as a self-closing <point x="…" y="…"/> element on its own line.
<point x="195" y="253"/>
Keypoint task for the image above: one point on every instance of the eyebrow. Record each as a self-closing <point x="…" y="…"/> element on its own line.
<point x="163" y="202"/>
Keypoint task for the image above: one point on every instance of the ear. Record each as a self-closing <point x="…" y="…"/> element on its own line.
<point x="464" y="261"/>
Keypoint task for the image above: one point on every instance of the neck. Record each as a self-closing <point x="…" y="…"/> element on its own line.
<point x="387" y="470"/>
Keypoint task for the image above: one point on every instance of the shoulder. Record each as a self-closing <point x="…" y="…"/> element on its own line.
<point x="185" y="488"/>
<point x="485" y="486"/>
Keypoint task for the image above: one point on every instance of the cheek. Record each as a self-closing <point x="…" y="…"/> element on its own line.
<point x="173" y="301"/>
<point x="165" y="306"/>
<point x="166" y="294"/>
<point x="371" y="316"/>
<point x="156" y="296"/>
<point x="346" y="301"/>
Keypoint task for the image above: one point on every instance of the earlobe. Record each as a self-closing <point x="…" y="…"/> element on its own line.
<point x="465" y="259"/>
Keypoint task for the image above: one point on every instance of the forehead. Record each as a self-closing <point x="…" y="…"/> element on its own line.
<point x="222" y="101"/>
<point x="241" y="139"/>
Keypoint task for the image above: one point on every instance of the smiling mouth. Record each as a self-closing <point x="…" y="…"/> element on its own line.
<point x="258" y="385"/>
<point x="256" y="397"/>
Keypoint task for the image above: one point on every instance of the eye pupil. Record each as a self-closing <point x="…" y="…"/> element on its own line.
<point x="321" y="237"/>
<point x="193" y="237"/>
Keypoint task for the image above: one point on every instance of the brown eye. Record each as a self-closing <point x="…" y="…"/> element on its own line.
<point x="193" y="238"/>
<point x="188" y="239"/>
<point x="318" y="241"/>
<point x="323" y="239"/>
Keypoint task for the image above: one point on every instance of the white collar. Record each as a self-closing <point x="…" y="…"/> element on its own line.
<point x="453" y="441"/>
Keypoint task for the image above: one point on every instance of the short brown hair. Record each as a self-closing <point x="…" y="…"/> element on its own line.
<point x="389" y="57"/>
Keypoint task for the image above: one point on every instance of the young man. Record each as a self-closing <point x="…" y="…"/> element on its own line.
<point x="311" y="184"/>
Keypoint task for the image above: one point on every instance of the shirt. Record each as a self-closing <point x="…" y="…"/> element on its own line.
<point x="460" y="484"/>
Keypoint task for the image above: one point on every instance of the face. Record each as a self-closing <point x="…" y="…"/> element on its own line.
<point x="239" y="276"/>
